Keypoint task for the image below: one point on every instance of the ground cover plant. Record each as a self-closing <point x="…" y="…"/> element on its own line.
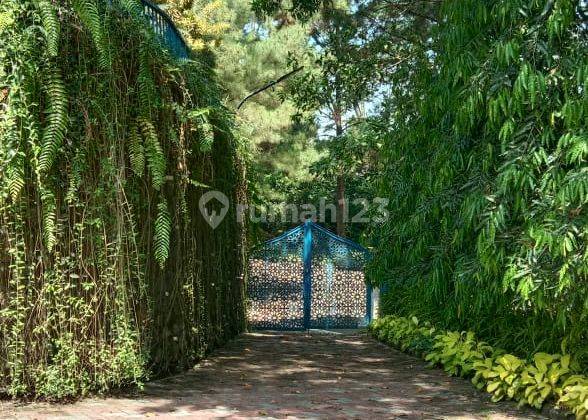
<point x="544" y="378"/>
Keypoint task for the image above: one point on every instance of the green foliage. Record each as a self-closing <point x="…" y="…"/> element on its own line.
<point x="136" y="151"/>
<point x="131" y="6"/>
<point x="486" y="171"/>
<point x="575" y="395"/>
<point x="302" y="9"/>
<point x="405" y="334"/>
<point x="154" y="156"/>
<point x="49" y="219"/>
<point x="207" y="136"/>
<point x="254" y="52"/>
<point x="15" y="177"/>
<point x="62" y="379"/>
<point x="146" y="82"/>
<point x="500" y="376"/>
<point x="533" y="384"/>
<point x="89" y="14"/>
<point x="57" y="119"/>
<point x="85" y="304"/>
<point x="51" y="26"/>
<point x="543" y="378"/>
<point x="356" y="155"/>
<point x="547" y="377"/>
<point x="457" y="352"/>
<point x="163" y="225"/>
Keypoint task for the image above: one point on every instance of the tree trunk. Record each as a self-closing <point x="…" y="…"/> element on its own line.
<point x="340" y="194"/>
<point x="341" y="206"/>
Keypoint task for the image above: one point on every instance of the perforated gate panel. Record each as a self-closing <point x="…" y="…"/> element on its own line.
<point x="338" y="290"/>
<point x="308" y="278"/>
<point x="275" y="286"/>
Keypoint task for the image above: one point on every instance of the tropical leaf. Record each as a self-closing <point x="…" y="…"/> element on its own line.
<point x="155" y="158"/>
<point x="162" y="236"/>
<point x="89" y="14"/>
<point x="51" y="26"/>
<point x="56" y="120"/>
<point x="136" y="151"/>
<point x="49" y="219"/>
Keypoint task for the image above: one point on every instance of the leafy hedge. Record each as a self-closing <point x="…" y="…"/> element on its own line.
<point x="544" y="378"/>
<point x="486" y="171"/>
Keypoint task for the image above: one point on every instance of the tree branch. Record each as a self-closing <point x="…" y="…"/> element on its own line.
<point x="269" y="85"/>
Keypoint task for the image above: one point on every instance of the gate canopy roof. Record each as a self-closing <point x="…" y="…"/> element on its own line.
<point x="324" y="244"/>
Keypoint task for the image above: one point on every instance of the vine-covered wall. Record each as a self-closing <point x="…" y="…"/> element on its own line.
<point x="108" y="271"/>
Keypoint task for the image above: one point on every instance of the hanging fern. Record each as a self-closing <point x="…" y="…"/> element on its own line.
<point x="88" y="12"/>
<point x="16" y="177"/>
<point x="51" y="26"/>
<point x="145" y="79"/>
<point x="201" y="117"/>
<point x="153" y="153"/>
<point x="136" y="151"/>
<point x="49" y="219"/>
<point x="131" y="6"/>
<point x="162" y="235"/>
<point x="6" y="19"/>
<point x="207" y="136"/>
<point x="56" y="124"/>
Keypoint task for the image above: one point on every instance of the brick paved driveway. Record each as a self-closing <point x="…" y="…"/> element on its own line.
<point x="293" y="375"/>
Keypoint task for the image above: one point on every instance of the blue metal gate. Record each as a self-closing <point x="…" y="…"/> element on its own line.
<point x="308" y="278"/>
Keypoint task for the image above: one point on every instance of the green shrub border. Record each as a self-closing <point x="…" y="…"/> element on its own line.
<point x="545" y="378"/>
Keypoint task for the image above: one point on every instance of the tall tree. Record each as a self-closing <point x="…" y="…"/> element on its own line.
<point x="253" y="53"/>
<point x="249" y="52"/>
<point x="354" y="48"/>
<point x="335" y="83"/>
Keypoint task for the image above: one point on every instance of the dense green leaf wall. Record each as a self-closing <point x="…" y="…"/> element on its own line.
<point x="488" y="178"/>
<point x="108" y="272"/>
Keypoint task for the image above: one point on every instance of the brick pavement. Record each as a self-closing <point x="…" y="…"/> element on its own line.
<point x="293" y="375"/>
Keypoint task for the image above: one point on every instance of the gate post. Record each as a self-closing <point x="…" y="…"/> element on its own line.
<point x="307" y="276"/>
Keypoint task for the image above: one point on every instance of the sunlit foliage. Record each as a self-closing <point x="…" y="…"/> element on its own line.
<point x="488" y="178"/>
<point x="106" y="273"/>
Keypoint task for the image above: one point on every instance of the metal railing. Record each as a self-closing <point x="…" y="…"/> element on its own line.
<point x="165" y="28"/>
